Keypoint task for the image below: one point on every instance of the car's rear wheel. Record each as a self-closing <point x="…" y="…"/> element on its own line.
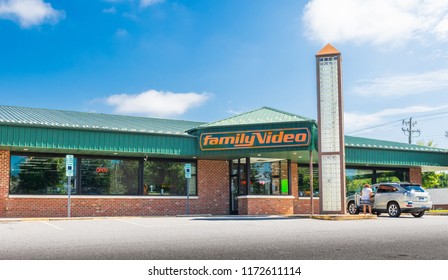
<point x="418" y="214"/>
<point x="352" y="208"/>
<point x="393" y="209"/>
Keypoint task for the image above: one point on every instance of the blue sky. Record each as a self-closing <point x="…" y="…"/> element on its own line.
<point x="206" y="60"/>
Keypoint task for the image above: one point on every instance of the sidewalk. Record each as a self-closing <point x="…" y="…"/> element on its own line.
<point x="223" y="217"/>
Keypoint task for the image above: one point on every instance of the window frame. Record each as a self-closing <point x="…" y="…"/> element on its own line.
<point x="80" y="157"/>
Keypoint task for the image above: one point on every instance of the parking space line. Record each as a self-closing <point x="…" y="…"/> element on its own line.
<point x="136" y="224"/>
<point x="53" y="226"/>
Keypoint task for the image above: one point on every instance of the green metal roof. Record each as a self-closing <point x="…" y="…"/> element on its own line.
<point x="265" y="115"/>
<point x="360" y="142"/>
<point x="33" y="117"/>
<point x="365" y="151"/>
<point x="44" y="130"/>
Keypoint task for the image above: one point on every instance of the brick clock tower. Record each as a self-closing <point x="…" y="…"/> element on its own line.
<point x="330" y="131"/>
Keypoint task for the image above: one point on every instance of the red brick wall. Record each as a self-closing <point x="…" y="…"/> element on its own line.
<point x="213" y="198"/>
<point x="4" y="179"/>
<point x="415" y="175"/>
<point x="255" y="205"/>
<point x="303" y="206"/>
<point x="213" y="187"/>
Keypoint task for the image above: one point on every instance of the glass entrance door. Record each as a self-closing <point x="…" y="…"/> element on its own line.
<point x="234" y="195"/>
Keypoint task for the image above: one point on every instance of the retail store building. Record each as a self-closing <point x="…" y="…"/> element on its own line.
<point x="257" y="163"/>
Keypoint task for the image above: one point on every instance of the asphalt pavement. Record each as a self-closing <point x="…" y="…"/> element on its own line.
<point x="226" y="237"/>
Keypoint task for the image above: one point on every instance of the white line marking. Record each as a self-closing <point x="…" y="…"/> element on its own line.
<point x="145" y="226"/>
<point x="51" y="225"/>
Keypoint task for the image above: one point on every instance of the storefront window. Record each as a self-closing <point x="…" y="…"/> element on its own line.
<point x="391" y="176"/>
<point x="269" y="178"/>
<point x="109" y="177"/>
<point x="304" y="181"/>
<point x="39" y="175"/>
<point x="355" y="179"/>
<point x="167" y="178"/>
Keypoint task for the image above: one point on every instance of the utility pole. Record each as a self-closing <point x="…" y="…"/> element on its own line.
<point x="408" y="130"/>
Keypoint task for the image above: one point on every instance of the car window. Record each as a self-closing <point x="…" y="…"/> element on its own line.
<point x="386" y="189"/>
<point x="416" y="188"/>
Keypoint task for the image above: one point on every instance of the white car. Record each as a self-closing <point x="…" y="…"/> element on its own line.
<point x="394" y="199"/>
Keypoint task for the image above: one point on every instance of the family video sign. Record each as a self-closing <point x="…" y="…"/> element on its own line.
<point x="255" y="139"/>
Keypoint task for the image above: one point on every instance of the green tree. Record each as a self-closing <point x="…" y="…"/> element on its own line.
<point x="443" y="180"/>
<point x="431" y="179"/>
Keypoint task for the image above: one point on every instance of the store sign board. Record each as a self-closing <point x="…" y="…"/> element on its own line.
<point x="255" y="139"/>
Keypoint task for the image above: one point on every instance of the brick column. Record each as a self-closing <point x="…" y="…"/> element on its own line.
<point x="213" y="187"/>
<point x="415" y="175"/>
<point x="4" y="179"/>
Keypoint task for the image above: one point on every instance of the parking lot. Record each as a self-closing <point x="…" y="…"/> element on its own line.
<point x="228" y="237"/>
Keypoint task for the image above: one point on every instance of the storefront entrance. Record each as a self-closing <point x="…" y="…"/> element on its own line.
<point x="258" y="177"/>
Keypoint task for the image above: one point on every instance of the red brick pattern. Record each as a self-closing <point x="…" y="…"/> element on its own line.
<point x="440" y="207"/>
<point x="303" y="206"/>
<point x="213" y="187"/>
<point x="415" y="175"/>
<point x="4" y="179"/>
<point x="248" y="205"/>
<point x="213" y="198"/>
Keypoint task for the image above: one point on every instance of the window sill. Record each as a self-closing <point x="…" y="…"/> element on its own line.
<point x="101" y="196"/>
<point x="267" y="196"/>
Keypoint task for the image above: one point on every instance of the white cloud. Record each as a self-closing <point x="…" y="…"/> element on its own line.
<point x="156" y="103"/>
<point x="403" y="85"/>
<point x="147" y="3"/>
<point x="377" y="22"/>
<point x="29" y="13"/>
<point x="121" y="33"/>
<point x="111" y="10"/>
<point x="354" y="121"/>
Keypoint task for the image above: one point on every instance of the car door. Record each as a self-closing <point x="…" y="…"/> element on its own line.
<point x="381" y="197"/>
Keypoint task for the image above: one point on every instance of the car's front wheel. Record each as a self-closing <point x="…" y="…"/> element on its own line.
<point x="393" y="209"/>
<point x="352" y="208"/>
<point x="418" y="214"/>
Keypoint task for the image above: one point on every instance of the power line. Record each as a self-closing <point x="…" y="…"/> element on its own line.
<point x="432" y="114"/>
<point x="401" y="120"/>
<point x="379" y="125"/>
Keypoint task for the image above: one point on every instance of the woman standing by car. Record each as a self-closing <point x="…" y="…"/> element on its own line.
<point x="366" y="194"/>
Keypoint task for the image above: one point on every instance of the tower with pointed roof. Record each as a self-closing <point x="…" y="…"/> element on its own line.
<point x="330" y="131"/>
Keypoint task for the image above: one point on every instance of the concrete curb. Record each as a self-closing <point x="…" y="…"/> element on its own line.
<point x="343" y="217"/>
<point x="48" y="219"/>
